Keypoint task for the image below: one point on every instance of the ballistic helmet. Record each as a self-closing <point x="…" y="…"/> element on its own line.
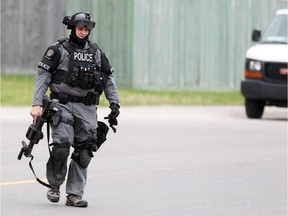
<point x="81" y="19"/>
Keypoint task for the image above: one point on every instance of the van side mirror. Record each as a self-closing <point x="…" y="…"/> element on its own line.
<point x="256" y="35"/>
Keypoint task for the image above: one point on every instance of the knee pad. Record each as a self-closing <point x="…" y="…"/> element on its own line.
<point x="60" y="154"/>
<point x="82" y="157"/>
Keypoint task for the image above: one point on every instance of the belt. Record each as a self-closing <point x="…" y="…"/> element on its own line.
<point x="92" y="98"/>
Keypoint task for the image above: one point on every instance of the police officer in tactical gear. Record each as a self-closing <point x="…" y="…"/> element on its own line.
<point x="77" y="72"/>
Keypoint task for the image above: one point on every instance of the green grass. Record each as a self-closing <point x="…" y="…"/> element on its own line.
<point x="17" y="90"/>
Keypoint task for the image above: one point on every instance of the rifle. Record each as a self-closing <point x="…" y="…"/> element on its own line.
<point x="34" y="132"/>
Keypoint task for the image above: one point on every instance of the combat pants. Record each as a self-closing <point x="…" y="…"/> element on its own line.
<point x="78" y="122"/>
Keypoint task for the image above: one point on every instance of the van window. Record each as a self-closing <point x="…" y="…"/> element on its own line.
<point x="276" y="32"/>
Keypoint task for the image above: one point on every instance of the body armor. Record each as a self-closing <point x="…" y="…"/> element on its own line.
<point x="83" y="70"/>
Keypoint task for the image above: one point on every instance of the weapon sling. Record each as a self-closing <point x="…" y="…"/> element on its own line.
<point x="32" y="157"/>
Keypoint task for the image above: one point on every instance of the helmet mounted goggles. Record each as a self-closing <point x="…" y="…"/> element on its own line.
<point x="79" y="19"/>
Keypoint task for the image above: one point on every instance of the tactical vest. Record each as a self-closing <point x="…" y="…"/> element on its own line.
<point x="83" y="70"/>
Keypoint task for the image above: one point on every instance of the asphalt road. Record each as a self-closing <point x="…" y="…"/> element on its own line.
<point x="163" y="161"/>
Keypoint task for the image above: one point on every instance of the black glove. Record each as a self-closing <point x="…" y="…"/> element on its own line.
<point x="112" y="117"/>
<point x="114" y="110"/>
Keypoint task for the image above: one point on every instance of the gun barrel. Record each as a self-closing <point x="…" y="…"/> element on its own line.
<point x="22" y="151"/>
<point x="29" y="148"/>
<point x="20" y="154"/>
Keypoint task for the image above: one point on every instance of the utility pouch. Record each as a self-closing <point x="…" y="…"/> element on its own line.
<point x="102" y="131"/>
<point x="63" y="98"/>
<point x="56" y="118"/>
<point x="92" y="98"/>
<point x="90" y="80"/>
<point x="98" y="81"/>
<point x="96" y="99"/>
<point x="73" y="78"/>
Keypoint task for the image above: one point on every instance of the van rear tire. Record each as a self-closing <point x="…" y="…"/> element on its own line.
<point x="254" y="108"/>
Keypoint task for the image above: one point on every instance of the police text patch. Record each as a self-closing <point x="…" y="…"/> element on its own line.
<point x="45" y="66"/>
<point x="80" y="56"/>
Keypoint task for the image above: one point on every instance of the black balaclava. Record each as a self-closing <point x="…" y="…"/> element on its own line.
<point x="80" y="42"/>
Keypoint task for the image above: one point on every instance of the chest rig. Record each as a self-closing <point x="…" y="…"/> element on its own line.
<point x="83" y="71"/>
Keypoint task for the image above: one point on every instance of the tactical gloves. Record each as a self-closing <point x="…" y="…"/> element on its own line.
<point x="112" y="117"/>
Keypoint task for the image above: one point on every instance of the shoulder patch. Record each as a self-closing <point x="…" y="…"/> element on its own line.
<point x="50" y="59"/>
<point x="50" y="52"/>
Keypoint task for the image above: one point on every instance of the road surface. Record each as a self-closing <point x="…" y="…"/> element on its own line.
<point x="163" y="161"/>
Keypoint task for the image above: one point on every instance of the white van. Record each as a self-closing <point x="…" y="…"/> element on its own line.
<point x="266" y="70"/>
